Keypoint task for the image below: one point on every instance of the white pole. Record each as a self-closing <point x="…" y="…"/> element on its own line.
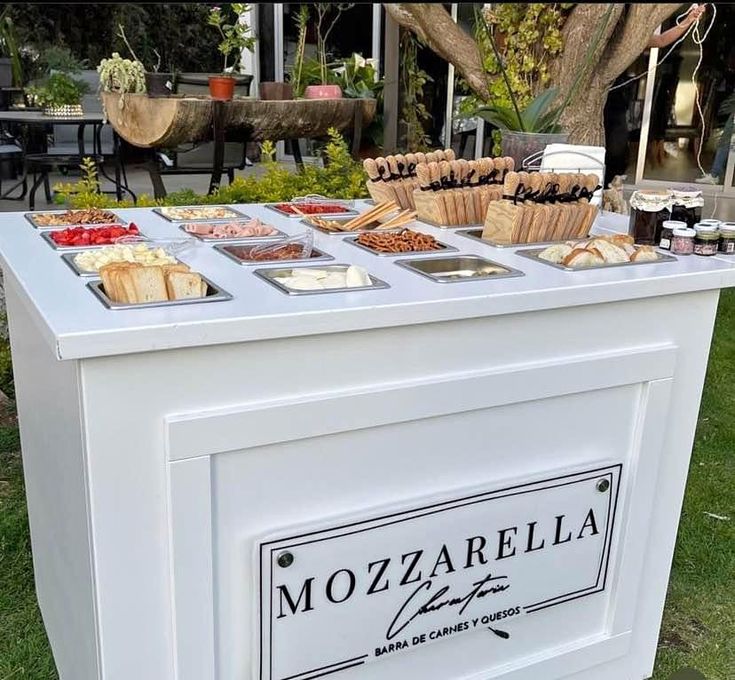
<point x="250" y="61"/>
<point x="375" y="50"/>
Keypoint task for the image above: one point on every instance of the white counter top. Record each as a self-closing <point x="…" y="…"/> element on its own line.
<point x="78" y="325"/>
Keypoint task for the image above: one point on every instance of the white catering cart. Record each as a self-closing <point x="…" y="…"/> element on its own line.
<point x="432" y="480"/>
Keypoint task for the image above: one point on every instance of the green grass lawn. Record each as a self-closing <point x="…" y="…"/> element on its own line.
<point x="699" y="622"/>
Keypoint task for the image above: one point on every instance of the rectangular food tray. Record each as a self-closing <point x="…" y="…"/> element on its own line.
<point x="344" y="233"/>
<point x="443" y="248"/>
<point x="533" y="254"/>
<point x="214" y="294"/>
<point x="268" y="275"/>
<point x="447" y="226"/>
<point x="476" y="235"/>
<point x="440" y="269"/>
<point x="350" y="212"/>
<point x="234" y="214"/>
<point x="316" y="255"/>
<point x="46" y="236"/>
<point x="31" y="217"/>
<point x="211" y="239"/>
<point x="69" y="259"/>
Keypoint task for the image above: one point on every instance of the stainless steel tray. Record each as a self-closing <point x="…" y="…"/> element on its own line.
<point x="476" y="235"/>
<point x="533" y="254"/>
<point x="226" y="249"/>
<point x="447" y="269"/>
<point x="447" y="226"/>
<point x="268" y="275"/>
<point x="444" y="248"/>
<point x="214" y="294"/>
<point x="69" y="259"/>
<point x="350" y="212"/>
<point x="46" y="236"/>
<point x="344" y="233"/>
<point x="234" y="214"/>
<point x="31" y="217"/>
<point x="210" y="239"/>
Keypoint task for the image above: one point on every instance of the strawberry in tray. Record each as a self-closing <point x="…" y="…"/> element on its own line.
<point x="81" y="237"/>
<point x="312" y="208"/>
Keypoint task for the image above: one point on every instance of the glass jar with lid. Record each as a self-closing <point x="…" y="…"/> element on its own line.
<point x="649" y="208"/>
<point x="682" y="241"/>
<point x="686" y="206"/>
<point x="727" y="238"/>
<point x="667" y="232"/>
<point x="707" y="239"/>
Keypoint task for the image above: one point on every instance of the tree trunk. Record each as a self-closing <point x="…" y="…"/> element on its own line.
<point x="623" y="36"/>
<point x="170" y="121"/>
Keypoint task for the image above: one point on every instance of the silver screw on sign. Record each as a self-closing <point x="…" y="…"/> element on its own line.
<point x="285" y="559"/>
<point x="602" y="485"/>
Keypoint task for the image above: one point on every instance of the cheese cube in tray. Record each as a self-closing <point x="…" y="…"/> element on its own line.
<point x="132" y="250"/>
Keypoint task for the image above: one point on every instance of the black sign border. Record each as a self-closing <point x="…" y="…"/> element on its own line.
<point x="437" y="508"/>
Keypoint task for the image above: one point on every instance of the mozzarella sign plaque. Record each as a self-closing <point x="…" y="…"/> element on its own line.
<point x="364" y="590"/>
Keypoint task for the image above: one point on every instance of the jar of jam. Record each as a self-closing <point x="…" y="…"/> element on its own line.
<point x="648" y="211"/>
<point x="682" y="241"/>
<point x="727" y="238"/>
<point x="707" y="239"/>
<point x="686" y="206"/>
<point x="667" y="232"/>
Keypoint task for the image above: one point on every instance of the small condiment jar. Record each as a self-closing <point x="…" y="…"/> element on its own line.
<point x="707" y="239"/>
<point x="667" y="232"/>
<point x="682" y="241"/>
<point x="727" y="238"/>
<point x="709" y="222"/>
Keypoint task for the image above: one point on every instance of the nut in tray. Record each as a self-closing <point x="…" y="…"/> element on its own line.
<point x="199" y="213"/>
<point x="93" y="217"/>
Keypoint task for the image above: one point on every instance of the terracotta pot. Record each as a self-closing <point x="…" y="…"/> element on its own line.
<point x="221" y="87"/>
<point x="323" y="92"/>
<point x="275" y="91"/>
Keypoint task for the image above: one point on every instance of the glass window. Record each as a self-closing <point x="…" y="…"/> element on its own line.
<point x="680" y="138"/>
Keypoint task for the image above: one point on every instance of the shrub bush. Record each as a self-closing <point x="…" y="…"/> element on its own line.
<point x="340" y="177"/>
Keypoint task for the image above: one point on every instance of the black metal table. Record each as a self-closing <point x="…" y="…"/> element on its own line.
<point x="37" y="151"/>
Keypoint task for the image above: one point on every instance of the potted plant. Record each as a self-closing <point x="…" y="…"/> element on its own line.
<point x="324" y="26"/>
<point x="58" y="95"/>
<point x="527" y="130"/>
<point x="121" y="76"/>
<point x="157" y="84"/>
<point x="235" y="38"/>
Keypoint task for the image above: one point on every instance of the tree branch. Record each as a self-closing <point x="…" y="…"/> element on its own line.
<point x="434" y="26"/>
<point x="624" y="49"/>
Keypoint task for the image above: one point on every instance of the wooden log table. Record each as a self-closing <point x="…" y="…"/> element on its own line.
<point x="170" y="121"/>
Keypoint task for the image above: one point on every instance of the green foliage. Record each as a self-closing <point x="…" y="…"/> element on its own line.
<point x="9" y="46"/>
<point x="537" y="116"/>
<point x="121" y="75"/>
<point x="7" y="386"/>
<point x="302" y="24"/>
<point x="235" y="36"/>
<point x="413" y="111"/>
<point x="60" y="58"/>
<point x="325" y="23"/>
<point x="340" y="177"/>
<point x="58" y="89"/>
